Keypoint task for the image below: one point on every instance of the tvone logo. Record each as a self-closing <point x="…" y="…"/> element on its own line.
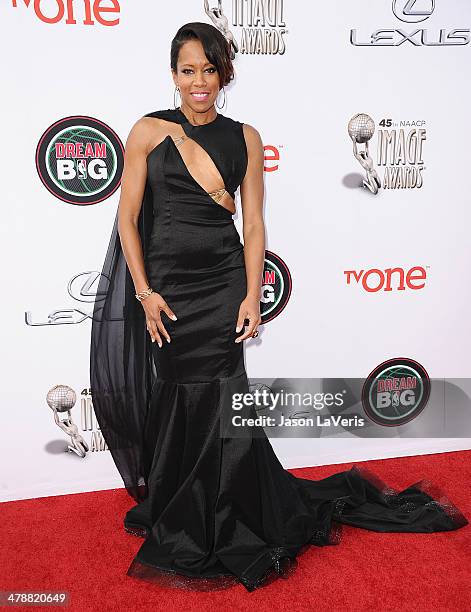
<point x="54" y="11"/>
<point x="271" y="158"/>
<point x="375" y="280"/>
<point x="413" y="11"/>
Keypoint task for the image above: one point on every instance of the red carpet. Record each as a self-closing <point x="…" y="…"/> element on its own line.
<point x="76" y="543"/>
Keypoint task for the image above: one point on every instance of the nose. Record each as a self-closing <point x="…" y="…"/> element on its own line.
<point x="199" y="78"/>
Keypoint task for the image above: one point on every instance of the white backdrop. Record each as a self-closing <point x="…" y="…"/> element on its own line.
<point x="319" y="221"/>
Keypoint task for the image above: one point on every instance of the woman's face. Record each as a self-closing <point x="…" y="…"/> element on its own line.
<point x="195" y="75"/>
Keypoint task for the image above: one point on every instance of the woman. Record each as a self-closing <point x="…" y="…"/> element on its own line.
<point x="166" y="357"/>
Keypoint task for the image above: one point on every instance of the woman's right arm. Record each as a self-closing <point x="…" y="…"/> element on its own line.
<point x="133" y="184"/>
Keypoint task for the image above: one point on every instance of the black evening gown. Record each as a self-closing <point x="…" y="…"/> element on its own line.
<point x="213" y="510"/>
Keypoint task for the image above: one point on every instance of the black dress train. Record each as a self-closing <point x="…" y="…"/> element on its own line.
<point x="214" y="510"/>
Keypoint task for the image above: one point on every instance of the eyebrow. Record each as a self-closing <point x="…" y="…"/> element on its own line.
<point x="192" y="65"/>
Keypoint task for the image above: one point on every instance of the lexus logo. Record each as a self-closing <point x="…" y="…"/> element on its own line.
<point x="413" y="11"/>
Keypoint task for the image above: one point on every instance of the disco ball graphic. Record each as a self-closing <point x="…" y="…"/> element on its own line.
<point x="61" y="398"/>
<point x="361" y="128"/>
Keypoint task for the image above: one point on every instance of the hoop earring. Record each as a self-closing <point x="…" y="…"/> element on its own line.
<point x="176" y="89"/>
<point x="224" y="99"/>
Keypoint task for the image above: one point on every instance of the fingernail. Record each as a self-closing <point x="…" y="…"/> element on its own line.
<point x="174" y="317"/>
<point x="152" y="339"/>
<point x="237" y="339"/>
<point x="160" y="344"/>
<point x="238" y="328"/>
<point x="168" y="339"/>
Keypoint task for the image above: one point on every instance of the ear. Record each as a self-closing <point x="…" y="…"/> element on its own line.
<point x="174" y="76"/>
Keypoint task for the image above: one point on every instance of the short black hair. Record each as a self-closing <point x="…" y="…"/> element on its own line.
<point x="215" y="44"/>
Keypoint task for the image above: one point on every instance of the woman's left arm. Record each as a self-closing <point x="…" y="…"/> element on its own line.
<point x="252" y="192"/>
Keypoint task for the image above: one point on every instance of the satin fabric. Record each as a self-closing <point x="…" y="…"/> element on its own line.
<point x="214" y="510"/>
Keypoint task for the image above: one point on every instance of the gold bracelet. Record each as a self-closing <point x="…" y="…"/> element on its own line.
<point x="143" y="294"/>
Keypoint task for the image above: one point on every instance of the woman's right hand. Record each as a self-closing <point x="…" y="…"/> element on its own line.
<point x="153" y="305"/>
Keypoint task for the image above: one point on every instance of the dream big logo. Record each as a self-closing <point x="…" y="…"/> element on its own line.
<point x="395" y="392"/>
<point x="276" y="287"/>
<point x="80" y="160"/>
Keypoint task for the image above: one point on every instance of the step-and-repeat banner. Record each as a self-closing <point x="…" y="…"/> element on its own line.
<point x="363" y="109"/>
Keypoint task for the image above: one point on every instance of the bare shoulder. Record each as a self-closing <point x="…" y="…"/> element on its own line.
<point x="253" y="139"/>
<point x="136" y="141"/>
<point x="145" y="133"/>
<point x="251" y="133"/>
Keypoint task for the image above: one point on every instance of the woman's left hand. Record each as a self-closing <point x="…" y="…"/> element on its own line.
<point x="249" y="309"/>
